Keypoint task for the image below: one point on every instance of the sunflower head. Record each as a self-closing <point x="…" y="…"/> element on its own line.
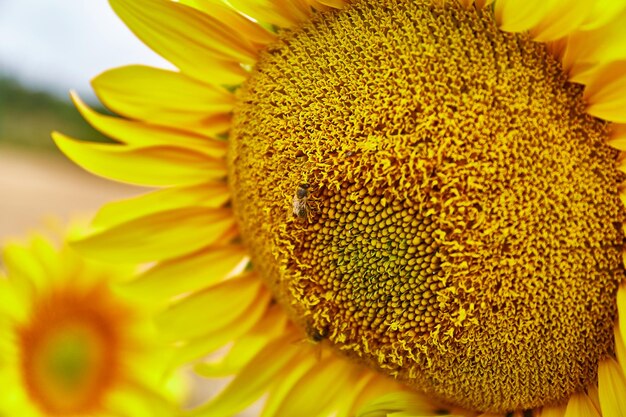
<point x="432" y="189"/>
<point x="74" y="343"/>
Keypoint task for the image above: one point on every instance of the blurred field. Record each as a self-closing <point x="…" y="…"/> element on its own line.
<point x="35" y="186"/>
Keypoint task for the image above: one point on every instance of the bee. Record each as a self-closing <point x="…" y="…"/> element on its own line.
<point x="316" y="335"/>
<point x="300" y="201"/>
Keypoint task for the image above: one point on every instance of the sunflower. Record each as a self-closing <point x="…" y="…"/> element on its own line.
<point x="73" y="343"/>
<point x="377" y="207"/>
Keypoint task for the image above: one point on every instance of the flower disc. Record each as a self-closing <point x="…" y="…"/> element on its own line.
<point x="428" y="193"/>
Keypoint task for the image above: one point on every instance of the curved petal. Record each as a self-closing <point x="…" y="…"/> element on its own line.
<point x="611" y="388"/>
<point x="606" y="93"/>
<point x="176" y="101"/>
<point x="158" y="236"/>
<point x="209" y="195"/>
<point x="189" y="273"/>
<point x="270" y="11"/>
<point x="143" y="134"/>
<point x="255" y="379"/>
<point x="251" y="31"/>
<point x="580" y="405"/>
<point x="399" y="401"/>
<point x="196" y="43"/>
<point x="206" y="311"/>
<point x="151" y="166"/>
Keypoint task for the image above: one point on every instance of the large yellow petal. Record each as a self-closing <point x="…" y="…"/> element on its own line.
<point x="604" y="45"/>
<point x="602" y="13"/>
<point x="189" y="273"/>
<point x="318" y="390"/>
<point x="547" y="20"/>
<point x="161" y="97"/>
<point x="251" y="31"/>
<point x="147" y="166"/>
<point x="375" y="387"/>
<point x="256" y="378"/>
<point x="551" y="411"/>
<point x="206" y="311"/>
<point x="267" y="11"/>
<point x="611" y="388"/>
<point x="198" y="44"/>
<point x="211" y="195"/>
<point x="606" y="92"/>
<point x="199" y="347"/>
<point x="158" y="236"/>
<point x="144" y="134"/>
<point x="247" y="346"/>
<point x="620" y="348"/>
<point x="580" y="405"/>
<point x="399" y="401"/>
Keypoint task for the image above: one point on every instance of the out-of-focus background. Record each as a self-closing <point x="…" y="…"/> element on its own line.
<point x="46" y="49"/>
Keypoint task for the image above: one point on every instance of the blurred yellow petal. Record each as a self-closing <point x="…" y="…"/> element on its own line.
<point x="611" y="388"/>
<point x="189" y="273"/>
<point x="521" y="15"/>
<point x="562" y="20"/>
<point x="206" y="311"/>
<point x="606" y="93"/>
<point x="149" y="166"/>
<point x="588" y="48"/>
<point x="251" y="31"/>
<point x="399" y="401"/>
<point x="142" y="134"/>
<point x="247" y="346"/>
<point x="620" y="348"/>
<point x="197" y="348"/>
<point x="25" y="274"/>
<point x="254" y="380"/>
<point x="157" y="236"/>
<point x="550" y="411"/>
<point x="621" y="309"/>
<point x="266" y="11"/>
<point x="199" y="45"/>
<point x="579" y="405"/>
<point x="178" y="102"/>
<point x="210" y="195"/>
<point x="603" y="11"/>
<point x="317" y="391"/>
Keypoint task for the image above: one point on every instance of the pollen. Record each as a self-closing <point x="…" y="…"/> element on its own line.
<point x="461" y="226"/>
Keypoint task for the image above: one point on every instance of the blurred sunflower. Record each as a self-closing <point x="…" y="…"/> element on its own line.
<point x="431" y="191"/>
<point x="72" y="344"/>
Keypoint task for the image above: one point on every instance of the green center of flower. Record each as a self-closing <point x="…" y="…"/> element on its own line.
<point x="428" y="194"/>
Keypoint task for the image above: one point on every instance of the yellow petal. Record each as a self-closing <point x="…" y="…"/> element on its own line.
<point x="606" y="93"/>
<point x="199" y="347"/>
<point x="617" y="136"/>
<point x="620" y="348"/>
<point x="603" y="12"/>
<point x="158" y="236"/>
<point x="376" y="387"/>
<point x="144" y="134"/>
<point x="579" y="405"/>
<point x="621" y="309"/>
<point x="247" y="346"/>
<point x="201" y="46"/>
<point x="551" y="411"/>
<point x="189" y="273"/>
<point x="25" y="273"/>
<point x="318" y="390"/>
<point x="521" y="15"/>
<point x="547" y="20"/>
<point x="178" y="102"/>
<point x="611" y="388"/>
<point x="150" y="166"/>
<point x="254" y="380"/>
<point x="398" y="401"/>
<point x="601" y="46"/>
<point x="251" y="31"/>
<point x="266" y="11"/>
<point x="209" y="195"/>
<point x="206" y="311"/>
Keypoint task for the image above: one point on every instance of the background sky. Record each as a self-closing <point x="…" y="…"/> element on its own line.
<point x="58" y="45"/>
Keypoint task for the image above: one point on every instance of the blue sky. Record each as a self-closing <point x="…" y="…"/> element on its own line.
<point x="58" y="45"/>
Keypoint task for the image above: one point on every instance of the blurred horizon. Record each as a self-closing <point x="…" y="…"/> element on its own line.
<point x="61" y="45"/>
